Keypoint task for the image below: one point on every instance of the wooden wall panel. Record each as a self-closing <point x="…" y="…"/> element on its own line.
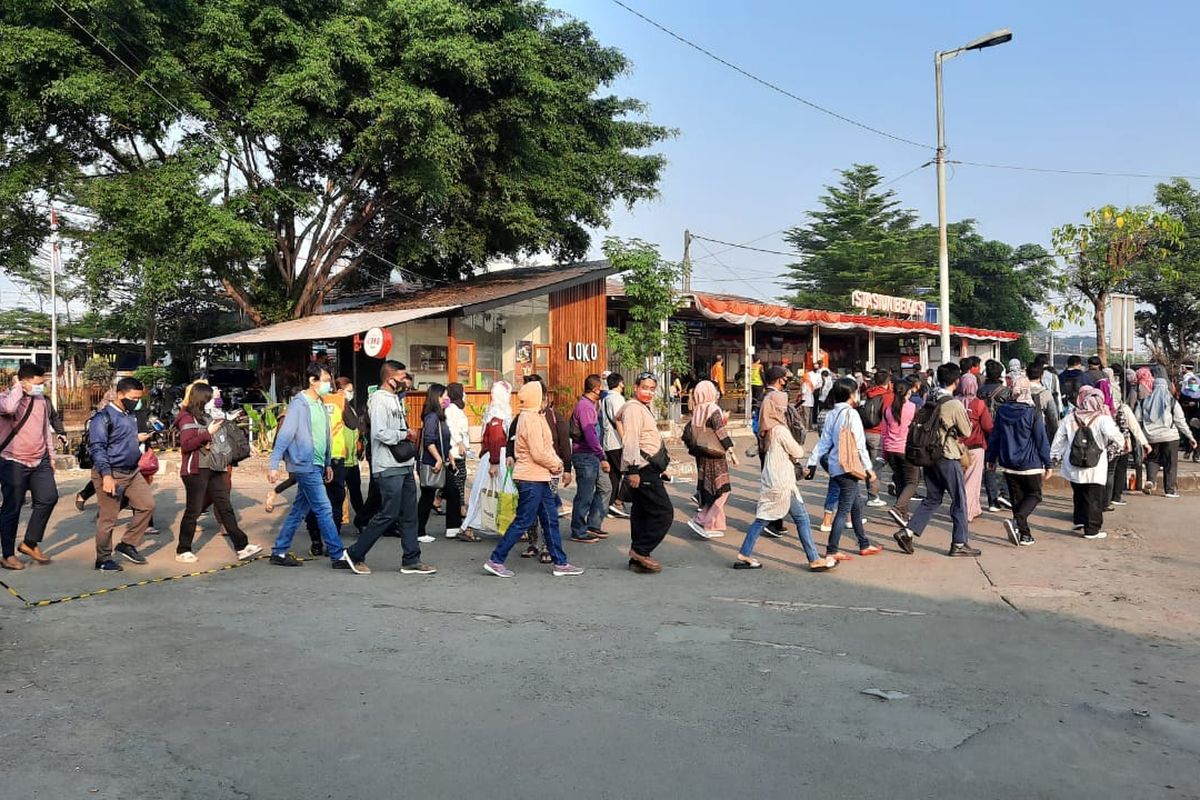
<point x="578" y="318"/>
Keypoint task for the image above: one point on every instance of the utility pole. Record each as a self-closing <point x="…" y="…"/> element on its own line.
<point x="686" y="281"/>
<point x="54" y="264"/>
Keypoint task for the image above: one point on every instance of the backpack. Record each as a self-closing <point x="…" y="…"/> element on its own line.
<point x="999" y="393"/>
<point x="83" y="452"/>
<point x="1085" y="450"/>
<point x="926" y="441"/>
<point x="871" y="412"/>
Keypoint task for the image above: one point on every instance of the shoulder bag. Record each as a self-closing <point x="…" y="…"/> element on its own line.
<point x="430" y="478"/>
<point x="848" y="458"/>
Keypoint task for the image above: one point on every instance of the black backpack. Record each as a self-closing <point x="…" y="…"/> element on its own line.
<point x="926" y="442"/>
<point x="1085" y="450"/>
<point x="996" y="394"/>
<point x="871" y="412"/>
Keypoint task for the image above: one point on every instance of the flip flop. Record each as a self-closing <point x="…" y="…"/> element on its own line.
<point x="747" y="564"/>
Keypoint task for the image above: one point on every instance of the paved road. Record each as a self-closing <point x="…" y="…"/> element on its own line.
<point x="1068" y="670"/>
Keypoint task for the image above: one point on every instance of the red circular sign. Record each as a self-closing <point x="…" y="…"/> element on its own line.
<point x="377" y="342"/>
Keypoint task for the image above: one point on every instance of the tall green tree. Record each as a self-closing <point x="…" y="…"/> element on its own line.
<point x="1102" y="254"/>
<point x="650" y="290"/>
<point x="429" y="134"/>
<point x="859" y="238"/>
<point x="1171" y="286"/>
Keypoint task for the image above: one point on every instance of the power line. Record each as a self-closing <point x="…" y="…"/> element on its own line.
<point x="906" y="174"/>
<point x="773" y="86"/>
<point x="739" y="278"/>
<point x="1099" y="173"/>
<point x="733" y="246"/>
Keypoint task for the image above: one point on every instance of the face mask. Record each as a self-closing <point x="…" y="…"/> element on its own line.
<point x="37" y="389"/>
<point x="138" y="407"/>
<point x="445" y="402"/>
<point x="130" y="404"/>
<point x="324" y="388"/>
<point x="349" y="394"/>
<point x="644" y="394"/>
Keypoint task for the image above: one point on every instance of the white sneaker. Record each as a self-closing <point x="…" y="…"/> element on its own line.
<point x="426" y="539"/>
<point x="826" y="528"/>
<point x="248" y="552"/>
<point x="1174" y="495"/>
<point x="565" y="511"/>
<point x="186" y="558"/>
<point x="1096" y="535"/>
<point x="451" y="533"/>
<point x="877" y="502"/>
<point x="699" y="529"/>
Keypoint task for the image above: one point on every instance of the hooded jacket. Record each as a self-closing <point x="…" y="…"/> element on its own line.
<point x="1019" y="442"/>
<point x="533" y="445"/>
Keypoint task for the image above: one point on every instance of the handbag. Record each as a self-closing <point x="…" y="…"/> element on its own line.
<point x="848" y="457"/>
<point x="702" y="442"/>
<point x="148" y="463"/>
<point x="431" y="479"/>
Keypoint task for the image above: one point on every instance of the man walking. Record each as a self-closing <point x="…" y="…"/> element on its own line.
<point x="303" y="441"/>
<point x="946" y="476"/>
<point x="717" y="374"/>
<point x="335" y="407"/>
<point x="113" y="441"/>
<point x="592" y="484"/>
<point x="644" y="459"/>
<point x="610" y="409"/>
<point x="26" y="464"/>
<point x="393" y="464"/>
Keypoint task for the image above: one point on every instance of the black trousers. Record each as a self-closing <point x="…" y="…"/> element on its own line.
<point x="906" y="477"/>
<point x="354" y="488"/>
<point x="208" y="485"/>
<point x="336" y="491"/>
<point x="1089" y="505"/>
<point x="1118" y="472"/>
<point x="652" y="512"/>
<point x="1166" y="456"/>
<point x="395" y="515"/>
<point x="1025" y="491"/>
<point x="16" y="480"/>
<point x="614" y="466"/>
<point x="453" y="506"/>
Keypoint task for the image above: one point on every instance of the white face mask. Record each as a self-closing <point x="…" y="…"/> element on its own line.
<point x="349" y="394"/>
<point x="37" y="389"/>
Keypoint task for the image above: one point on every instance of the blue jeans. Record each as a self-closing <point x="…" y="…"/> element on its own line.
<point x="851" y="503"/>
<point x="946" y="477"/>
<point x="310" y="496"/>
<point x="831" y="496"/>
<point x="799" y="515"/>
<point x="536" y="502"/>
<point x="591" y="494"/>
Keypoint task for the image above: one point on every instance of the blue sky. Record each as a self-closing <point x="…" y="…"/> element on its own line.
<point x="1083" y="86"/>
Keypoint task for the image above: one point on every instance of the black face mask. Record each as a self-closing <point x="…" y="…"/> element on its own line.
<point x="130" y="405"/>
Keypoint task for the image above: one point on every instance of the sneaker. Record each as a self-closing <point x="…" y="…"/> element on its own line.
<point x="187" y="557"/>
<point x="426" y="539"/>
<point x="1011" y="527"/>
<point x="1076" y="527"/>
<point x="452" y="533"/>
<point x="346" y="562"/>
<point x="597" y="533"/>
<point x="80" y="502"/>
<point x="1172" y="495"/>
<point x="108" y="565"/>
<point x="993" y="508"/>
<point x="130" y="553"/>
<point x="964" y="550"/>
<point x="618" y="512"/>
<point x="826" y="521"/>
<point x="904" y="540"/>
<point x="900" y="517"/>
<point x="870" y="550"/>
<point x="152" y="531"/>
<point x="499" y="570"/>
<point x="1096" y="535"/>
<point x="565" y="511"/>
<point x="877" y="502"/>
<point x="698" y="529"/>
<point x="1026" y="540"/>
<point x="285" y="560"/>
<point x="1005" y="502"/>
<point x="773" y="533"/>
<point x="1124" y="503"/>
<point x="891" y="488"/>
<point x="586" y="538"/>
<point x="696" y="499"/>
<point x="1148" y="487"/>
<point x="418" y="569"/>
<point x="316" y="550"/>
<point x="566" y="570"/>
<point x="248" y="552"/>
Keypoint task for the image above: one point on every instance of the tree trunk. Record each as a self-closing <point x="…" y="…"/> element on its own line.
<point x="151" y="334"/>
<point x="1101" y="332"/>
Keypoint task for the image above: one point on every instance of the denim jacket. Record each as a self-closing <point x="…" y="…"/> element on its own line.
<point x="294" y="442"/>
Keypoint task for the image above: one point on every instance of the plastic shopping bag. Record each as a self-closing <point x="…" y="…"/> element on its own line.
<point x="506" y="503"/>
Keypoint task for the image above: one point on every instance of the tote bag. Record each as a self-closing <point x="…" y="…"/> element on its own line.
<point x="848" y="458"/>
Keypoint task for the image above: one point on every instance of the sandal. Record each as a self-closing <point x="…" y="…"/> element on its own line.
<point x="530" y="552"/>
<point x="468" y="535"/>
<point x="753" y="563"/>
<point x="545" y="557"/>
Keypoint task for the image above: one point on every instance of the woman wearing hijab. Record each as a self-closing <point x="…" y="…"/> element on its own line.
<point x="712" y="472"/>
<point x="1162" y="419"/>
<point x="1088" y="479"/>
<point x="1136" y="447"/>
<point x="496" y="420"/>
<point x="976" y="443"/>
<point x="1019" y="448"/>
<point x="779" y="491"/>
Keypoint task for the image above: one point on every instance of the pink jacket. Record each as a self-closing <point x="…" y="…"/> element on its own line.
<point x="12" y="408"/>
<point x="895" y="433"/>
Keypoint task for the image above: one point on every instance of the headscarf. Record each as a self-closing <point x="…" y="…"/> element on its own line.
<point x="773" y="412"/>
<point x="456" y="394"/>
<point x="1145" y="382"/>
<point x="501" y="405"/>
<point x="968" y="388"/>
<point x="1158" y="407"/>
<point x="1158" y="371"/>
<point x="1089" y="406"/>
<point x="1105" y="387"/>
<point x="1022" y="390"/>
<point x="1014" y="366"/>
<point x="704" y="402"/>
<point x="1189" y="386"/>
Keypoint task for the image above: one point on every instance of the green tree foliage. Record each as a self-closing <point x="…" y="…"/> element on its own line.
<point x="860" y="238"/>
<point x="650" y="289"/>
<point x="1102" y="254"/>
<point x="299" y="148"/>
<point x="1172" y="285"/>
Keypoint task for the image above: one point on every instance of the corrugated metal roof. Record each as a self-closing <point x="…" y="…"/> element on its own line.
<point x="328" y="326"/>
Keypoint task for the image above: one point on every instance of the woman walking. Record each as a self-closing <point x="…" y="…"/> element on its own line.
<point x="1136" y="448"/>
<point x="905" y="476"/>
<point x="1162" y="419"/>
<point x="1019" y="448"/>
<point x="435" y="465"/>
<point x="351" y="435"/>
<point x="976" y="443"/>
<point x="850" y="500"/>
<point x="779" y="491"/>
<point x="460" y="444"/>
<point x="1085" y="457"/>
<point x="496" y="421"/>
<point x="712" y="472"/>
<point x="203" y="473"/>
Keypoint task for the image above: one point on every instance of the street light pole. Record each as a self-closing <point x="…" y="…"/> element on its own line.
<point x="990" y="40"/>
<point x="54" y="264"/>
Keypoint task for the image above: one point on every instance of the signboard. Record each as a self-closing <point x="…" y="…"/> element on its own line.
<point x="1121" y="330"/>
<point x="694" y="329"/>
<point x="377" y="342"/>
<point x="904" y="306"/>
<point x="582" y="351"/>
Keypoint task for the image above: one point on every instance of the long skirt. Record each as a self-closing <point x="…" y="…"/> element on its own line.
<point x="474" y="518"/>
<point x="974" y="482"/>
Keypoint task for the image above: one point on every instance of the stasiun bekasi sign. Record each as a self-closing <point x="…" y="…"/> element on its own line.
<point x="904" y="306"/>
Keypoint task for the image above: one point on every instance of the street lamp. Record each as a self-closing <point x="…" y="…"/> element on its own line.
<point x="990" y="40"/>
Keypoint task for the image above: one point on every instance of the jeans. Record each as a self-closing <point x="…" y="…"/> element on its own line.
<point x="591" y="494"/>
<point x="336" y="489"/>
<point x="310" y="496"/>
<point x="799" y="515"/>
<point x="207" y="483"/>
<point x="1089" y="501"/>
<point x="535" y="503"/>
<point x="1025" y="491"/>
<point x="1166" y="456"/>
<point x="397" y="489"/>
<point x="991" y="484"/>
<point x="16" y="479"/>
<point x="850" y="503"/>
<point x="832" y="494"/>
<point x="945" y="477"/>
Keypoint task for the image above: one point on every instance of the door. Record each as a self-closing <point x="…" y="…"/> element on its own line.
<point x="464" y="364"/>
